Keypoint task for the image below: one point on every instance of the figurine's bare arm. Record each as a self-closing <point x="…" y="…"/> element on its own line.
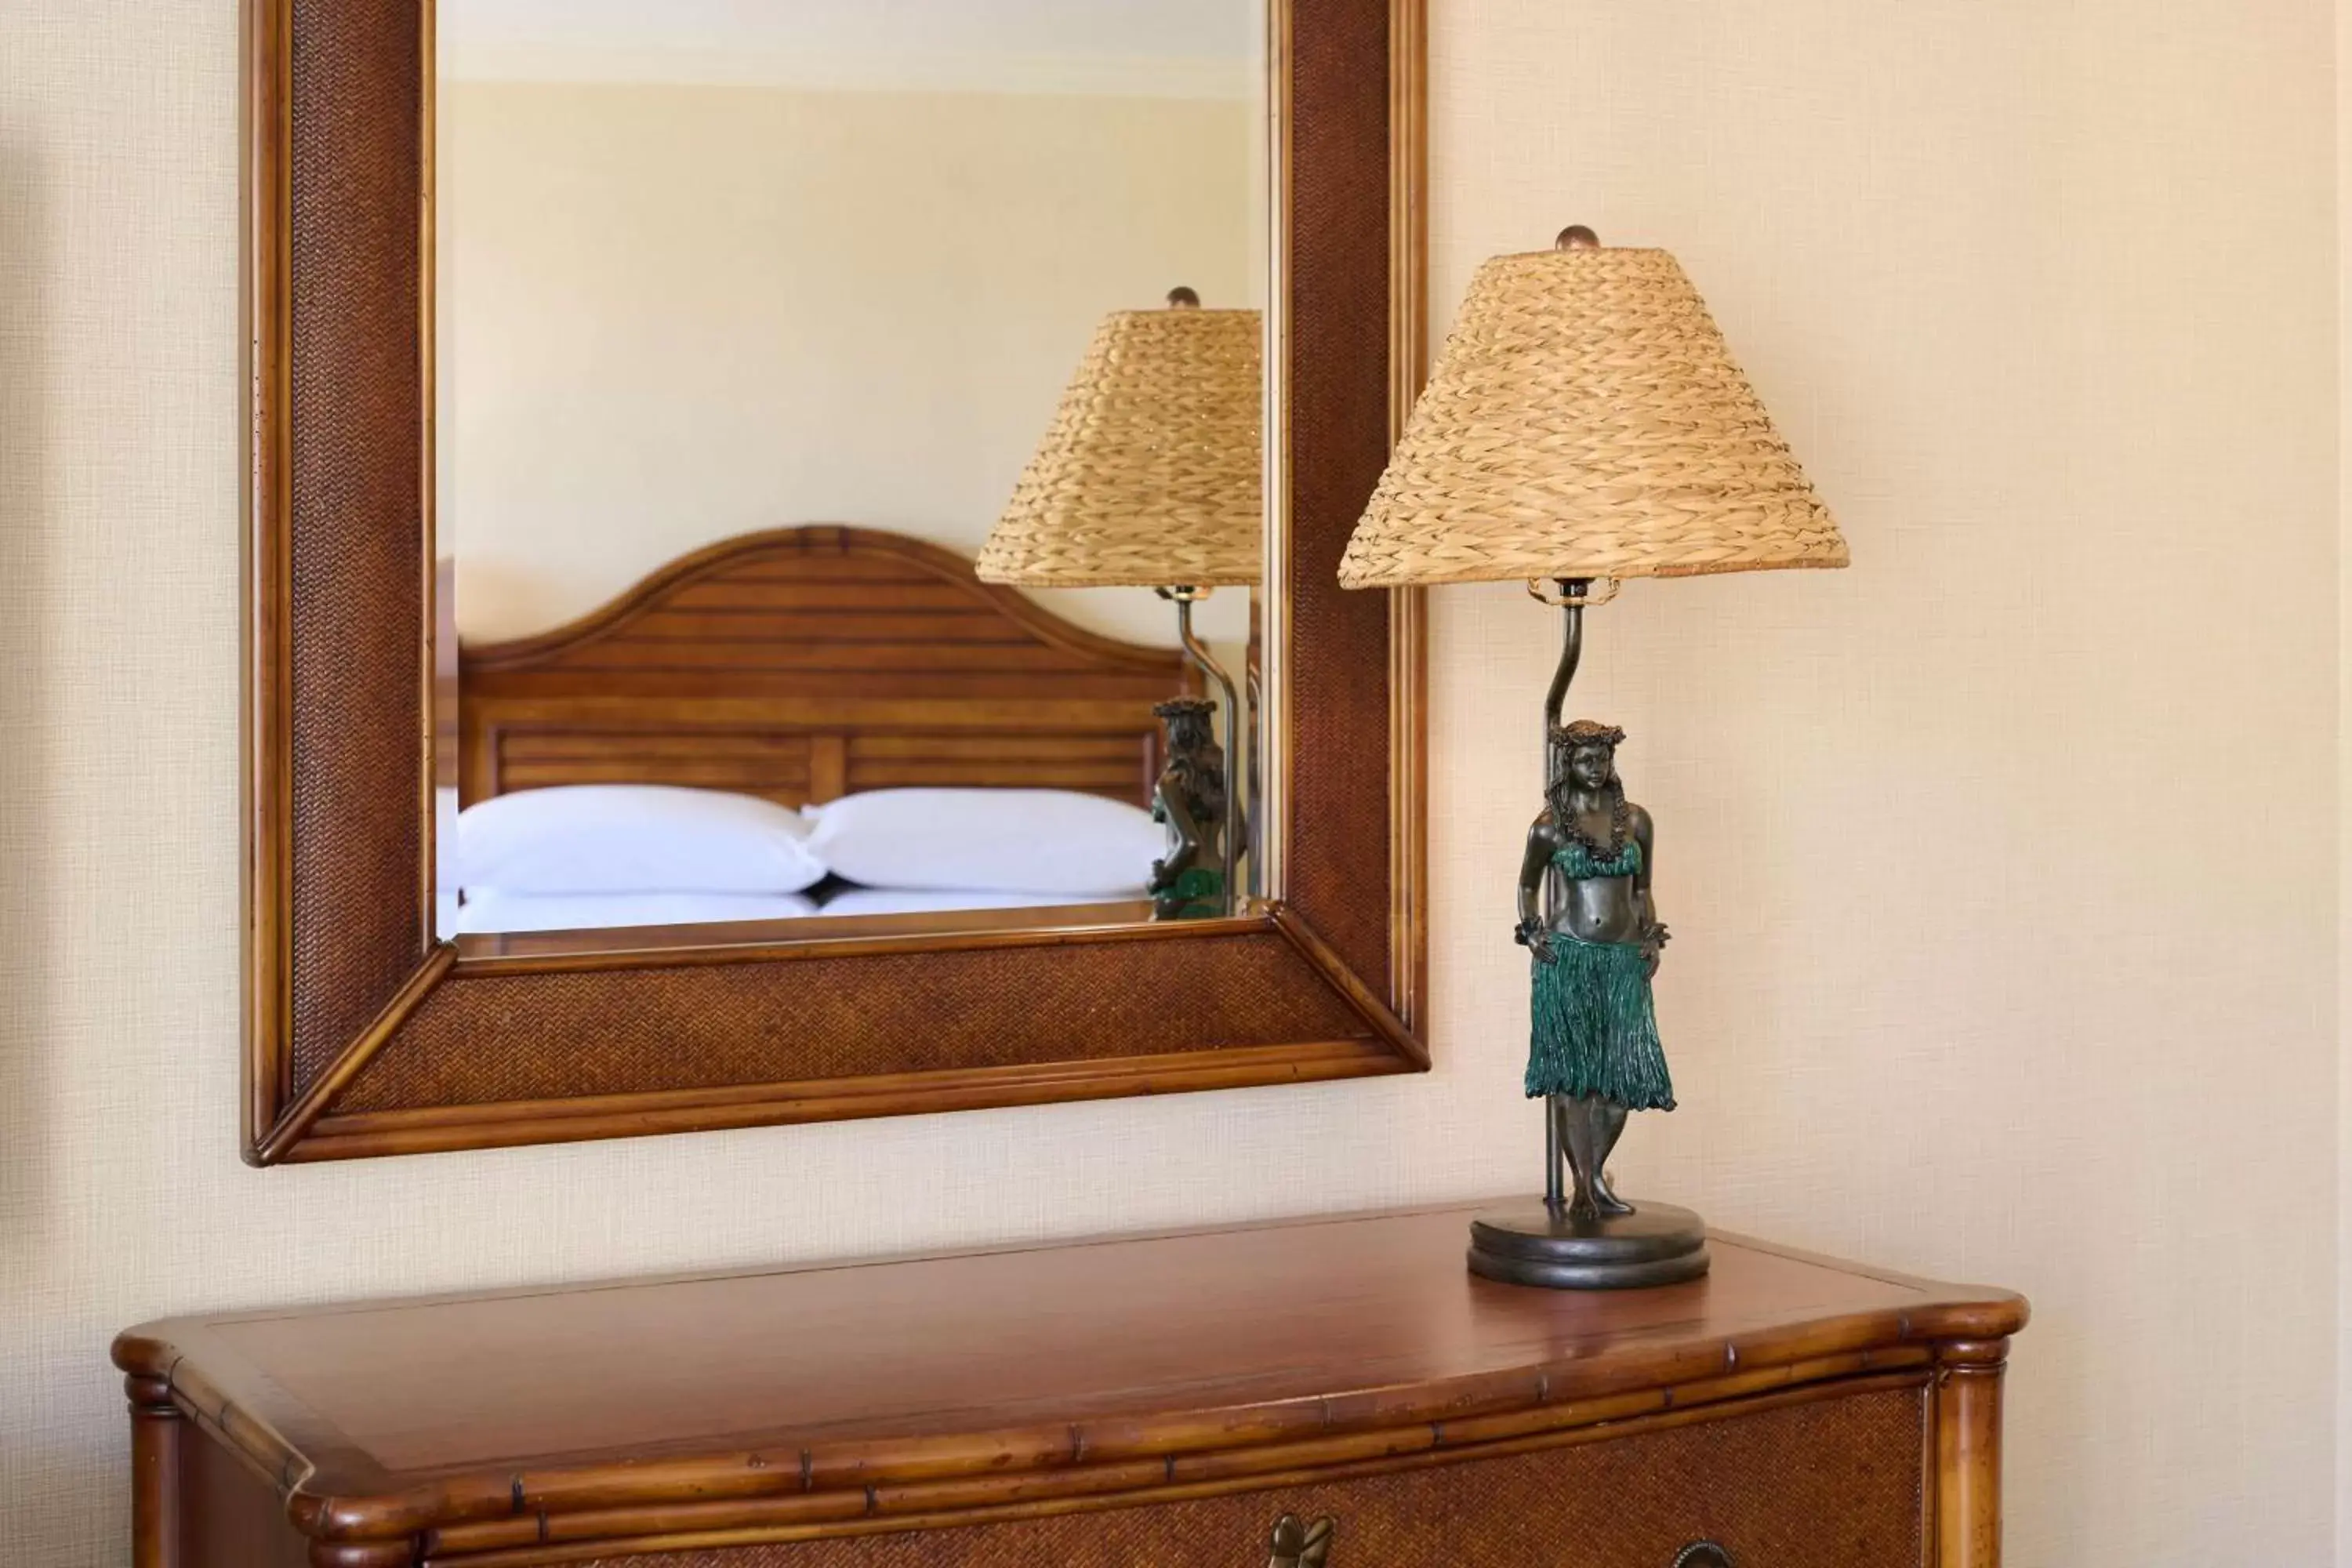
<point x="1170" y="802"/>
<point x="1653" y="931"/>
<point x="1543" y="840"/>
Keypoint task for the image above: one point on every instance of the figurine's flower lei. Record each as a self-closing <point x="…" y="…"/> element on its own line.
<point x="1621" y="823"/>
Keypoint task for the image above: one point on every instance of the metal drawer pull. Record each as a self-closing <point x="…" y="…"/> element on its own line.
<point x="1702" y="1554"/>
<point x="1298" y="1546"/>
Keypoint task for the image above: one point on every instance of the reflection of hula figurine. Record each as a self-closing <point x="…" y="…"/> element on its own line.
<point x="1594" y="1052"/>
<point x="1189" y="882"/>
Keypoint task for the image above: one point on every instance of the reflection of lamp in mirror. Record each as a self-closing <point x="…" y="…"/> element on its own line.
<point x="1586" y="424"/>
<point x="1150" y="478"/>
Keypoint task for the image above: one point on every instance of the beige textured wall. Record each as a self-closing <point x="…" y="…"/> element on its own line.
<point x="674" y="314"/>
<point x="2344" y="791"/>
<point x="2002" y="866"/>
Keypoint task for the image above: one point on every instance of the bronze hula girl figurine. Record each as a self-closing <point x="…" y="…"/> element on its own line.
<point x="1188" y="881"/>
<point x="1586" y="914"/>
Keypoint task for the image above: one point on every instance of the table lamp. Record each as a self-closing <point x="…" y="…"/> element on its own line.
<point x="1586" y="424"/>
<point x="1149" y="477"/>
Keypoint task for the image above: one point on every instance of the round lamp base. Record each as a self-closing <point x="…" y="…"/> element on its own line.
<point x="1657" y="1244"/>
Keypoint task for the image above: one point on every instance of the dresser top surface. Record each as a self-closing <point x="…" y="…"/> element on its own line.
<point x="988" y="1360"/>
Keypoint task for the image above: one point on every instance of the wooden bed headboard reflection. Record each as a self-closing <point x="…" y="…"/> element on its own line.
<point x="803" y="664"/>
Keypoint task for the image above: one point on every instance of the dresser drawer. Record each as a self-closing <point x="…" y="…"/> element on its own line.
<point x="1832" y="1482"/>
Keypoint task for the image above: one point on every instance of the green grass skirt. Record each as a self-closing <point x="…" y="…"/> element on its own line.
<point x="1595" y="1030"/>
<point x="1198" y="894"/>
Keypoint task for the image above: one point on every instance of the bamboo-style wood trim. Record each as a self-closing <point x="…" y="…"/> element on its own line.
<point x="1388" y="1047"/>
<point x="2000" y="1313"/>
<point x="546" y="1536"/>
<point x="157" y="1430"/>
<point x="305" y="1112"/>
<point x="779" y="941"/>
<point x="1408" y="608"/>
<point x="1930" y="1542"/>
<point x="1945" y="1342"/>
<point x="1408" y="218"/>
<point x="286" y="1120"/>
<point x="525" y="1124"/>
<point x="1409" y="782"/>
<point x="428" y="481"/>
<point x="975" y="1081"/>
<point x="907" y="1480"/>
<point x="1966" y="1504"/>
<point x="1373" y="1009"/>
<point x="268" y="673"/>
<point x="363" y="1554"/>
<point x="1277" y="746"/>
<point x="278" y="1457"/>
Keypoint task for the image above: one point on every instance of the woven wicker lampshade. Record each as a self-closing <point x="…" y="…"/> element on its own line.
<point x="1148" y="476"/>
<point x="1586" y="421"/>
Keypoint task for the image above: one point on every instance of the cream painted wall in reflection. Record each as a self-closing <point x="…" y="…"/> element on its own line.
<point x="671" y="314"/>
<point x="2001" y="866"/>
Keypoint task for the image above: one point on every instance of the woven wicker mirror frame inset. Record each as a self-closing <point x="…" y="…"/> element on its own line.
<point x="367" y="1035"/>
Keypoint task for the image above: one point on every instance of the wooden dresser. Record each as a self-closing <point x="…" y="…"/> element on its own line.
<point x="1155" y="1403"/>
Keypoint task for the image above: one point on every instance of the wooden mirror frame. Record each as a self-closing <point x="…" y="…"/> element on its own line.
<point x="366" y="1035"/>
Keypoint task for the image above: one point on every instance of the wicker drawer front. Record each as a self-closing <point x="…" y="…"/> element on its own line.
<point x="1835" y="1483"/>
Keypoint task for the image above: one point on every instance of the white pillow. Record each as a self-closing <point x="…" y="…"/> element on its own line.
<point x="933" y="901"/>
<point x="988" y="840"/>
<point x="486" y="911"/>
<point x="634" y="838"/>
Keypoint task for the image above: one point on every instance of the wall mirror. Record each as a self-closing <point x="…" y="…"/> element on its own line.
<point x="790" y="571"/>
<point x="749" y="322"/>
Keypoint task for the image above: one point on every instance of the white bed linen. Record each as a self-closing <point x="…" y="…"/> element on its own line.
<point x="633" y="839"/>
<point x="486" y="911"/>
<point x="933" y="901"/>
<point x="1020" y="841"/>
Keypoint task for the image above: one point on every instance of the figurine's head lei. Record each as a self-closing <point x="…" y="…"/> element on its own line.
<point x="1191" y="743"/>
<point x="1194" y="758"/>
<point x="1566" y="738"/>
<point x="1586" y="732"/>
<point x="1561" y="789"/>
<point x="1193" y="708"/>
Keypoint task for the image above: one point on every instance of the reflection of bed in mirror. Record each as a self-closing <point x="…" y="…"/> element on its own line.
<point x="807" y="668"/>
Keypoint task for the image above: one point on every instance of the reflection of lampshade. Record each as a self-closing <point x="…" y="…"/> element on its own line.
<point x="1150" y="474"/>
<point x="1586" y="421"/>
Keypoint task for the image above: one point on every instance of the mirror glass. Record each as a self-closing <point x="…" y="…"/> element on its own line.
<point x="753" y="324"/>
